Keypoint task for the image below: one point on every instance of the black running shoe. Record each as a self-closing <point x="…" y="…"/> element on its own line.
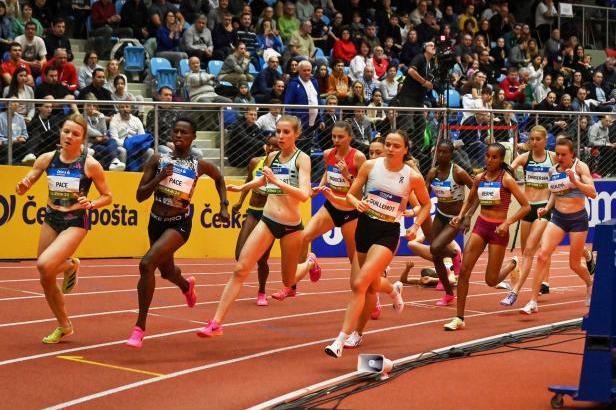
<point x="590" y="264"/>
<point x="545" y="289"/>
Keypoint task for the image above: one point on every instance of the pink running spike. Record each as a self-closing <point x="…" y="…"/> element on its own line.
<point x="191" y="295"/>
<point x="136" y="338"/>
<point x="457" y="263"/>
<point x="439" y="285"/>
<point x="284" y="293"/>
<point x="376" y="313"/>
<point x="262" y="299"/>
<point x="315" y="272"/>
<point x="446" y="300"/>
<point x="212" y="328"/>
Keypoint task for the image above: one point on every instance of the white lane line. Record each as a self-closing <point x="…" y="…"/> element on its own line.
<point x="184" y="372"/>
<point x="22" y="291"/>
<point x="89" y="347"/>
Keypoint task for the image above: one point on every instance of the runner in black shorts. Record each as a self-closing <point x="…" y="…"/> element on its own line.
<point x="172" y="179"/>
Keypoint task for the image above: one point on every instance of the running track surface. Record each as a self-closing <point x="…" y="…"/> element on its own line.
<point x="265" y="352"/>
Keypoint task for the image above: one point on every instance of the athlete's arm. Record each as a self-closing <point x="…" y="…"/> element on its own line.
<point x="519" y="161"/>
<point x="39" y="166"/>
<point x="548" y="206"/>
<point x="94" y="171"/>
<point x="585" y="183"/>
<point x="516" y="191"/>
<point x="462" y="177"/>
<point x="151" y="177"/>
<point x="468" y="203"/>
<point x="304" y="190"/>
<point x="209" y="169"/>
<point x="355" y="192"/>
<point x="418" y="187"/>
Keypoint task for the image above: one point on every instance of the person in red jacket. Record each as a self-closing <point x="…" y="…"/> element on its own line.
<point x="67" y="74"/>
<point x="344" y="49"/>
<point x="514" y="90"/>
<point x="13" y="63"/>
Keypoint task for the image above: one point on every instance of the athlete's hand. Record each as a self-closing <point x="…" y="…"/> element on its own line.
<point x="411" y="233"/>
<point x="235" y="188"/>
<point x="316" y="191"/>
<point x="235" y="209"/>
<point x="571" y="176"/>
<point x="327" y="192"/>
<point x="409" y="213"/>
<point x="224" y="214"/>
<point x="541" y="212"/>
<point x="269" y="175"/>
<point x="344" y="170"/>
<point x="362" y="206"/>
<point x="502" y="229"/>
<point x="466" y="223"/>
<point x="455" y="221"/>
<point x="23" y="186"/>
<point x="84" y="202"/>
<point x="167" y="171"/>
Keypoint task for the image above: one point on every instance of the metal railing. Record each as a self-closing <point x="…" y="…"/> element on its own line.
<point x="228" y="138"/>
<point x="598" y="16"/>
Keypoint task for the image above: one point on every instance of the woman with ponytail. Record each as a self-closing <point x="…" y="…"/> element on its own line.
<point x="493" y="188"/>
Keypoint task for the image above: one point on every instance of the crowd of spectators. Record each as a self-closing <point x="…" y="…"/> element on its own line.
<point x="370" y="54"/>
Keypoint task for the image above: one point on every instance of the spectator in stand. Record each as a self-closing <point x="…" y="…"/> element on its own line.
<point x="278" y="92"/>
<point x="498" y="98"/>
<point x="580" y="103"/>
<point x="410" y="48"/>
<point x="390" y="85"/>
<point x="609" y="73"/>
<point x="288" y="23"/>
<point x="265" y="80"/>
<point x="417" y="15"/>
<point x="375" y="111"/>
<point x="513" y="37"/>
<point x="167" y="116"/>
<point x="224" y="36"/>
<point x="43" y="131"/>
<point x="19" y="24"/>
<point x="469" y="14"/>
<point x="303" y="90"/>
<point x="599" y="137"/>
<point x="34" y="51"/>
<point x="475" y="138"/>
<point x="6" y="29"/>
<point x="79" y="12"/>
<point x="598" y="95"/>
<point x="124" y="125"/>
<point x="197" y="40"/>
<point x="362" y="130"/>
<point x="428" y="29"/>
<point x="267" y="122"/>
<point x="105" y="148"/>
<point x="344" y="48"/>
<point x="106" y="22"/>
<point x="339" y="82"/>
<point x="168" y="37"/>
<point x="518" y="56"/>
<point x="552" y="47"/>
<point x="243" y="96"/>
<point x="380" y="62"/>
<point x="52" y="88"/>
<point x="245" y="139"/>
<point x="191" y="9"/>
<point x="235" y="67"/>
<point x="558" y="86"/>
<point x="43" y="12"/>
<point x="371" y="36"/>
<point x="320" y="30"/>
<point x="464" y="48"/>
<point x="502" y="22"/>
<point x="514" y="90"/>
<point x="302" y="37"/>
<point x="134" y="15"/>
<point x="305" y="10"/>
<point x="544" y="18"/>
<point x="157" y="12"/>
<point x="322" y="76"/>
<point x="19" y="88"/>
<point x="246" y="34"/>
<point x="217" y="14"/>
<point x="392" y="30"/>
<point x="267" y="38"/>
<point x="19" y="134"/>
<point x="542" y="90"/>
<point x="13" y="63"/>
<point x="369" y="83"/>
<point x="98" y="90"/>
<point x="121" y="93"/>
<point x="57" y="39"/>
<point x="84" y="75"/>
<point x="487" y="67"/>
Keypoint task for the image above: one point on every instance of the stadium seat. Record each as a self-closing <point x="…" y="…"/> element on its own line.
<point x="184" y="68"/>
<point x="454" y="98"/>
<point x="252" y="70"/>
<point x="158" y="63"/>
<point x="134" y="59"/>
<point x="118" y="6"/>
<point x="229" y="116"/>
<point x="166" y="77"/>
<point x="319" y="53"/>
<point x="214" y="66"/>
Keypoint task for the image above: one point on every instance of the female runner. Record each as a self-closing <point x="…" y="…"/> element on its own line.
<point x="570" y="183"/>
<point x="388" y="183"/>
<point x="254" y="213"/>
<point x="172" y="179"/>
<point x="287" y="174"/>
<point x="342" y="163"/>
<point x="536" y="164"/>
<point x="70" y="173"/>
<point x="494" y="188"/>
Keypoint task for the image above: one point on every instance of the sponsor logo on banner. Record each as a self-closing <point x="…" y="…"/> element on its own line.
<point x="7" y="208"/>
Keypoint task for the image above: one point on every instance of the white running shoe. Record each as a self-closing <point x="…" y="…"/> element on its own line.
<point x="117" y="165"/>
<point x="398" y="301"/>
<point x="353" y="341"/>
<point x="335" y="349"/>
<point x="530" y="308"/>
<point x="503" y="285"/>
<point x="28" y="159"/>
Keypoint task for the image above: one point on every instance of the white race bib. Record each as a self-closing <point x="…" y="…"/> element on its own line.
<point x="63" y="183"/>
<point x="489" y="193"/>
<point x="179" y="184"/>
<point x="559" y="183"/>
<point x="336" y="181"/>
<point x="442" y="190"/>
<point x="383" y="205"/>
<point x="283" y="174"/>
<point x="537" y="176"/>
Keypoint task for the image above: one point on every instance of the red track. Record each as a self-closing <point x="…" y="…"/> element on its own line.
<point x="265" y="351"/>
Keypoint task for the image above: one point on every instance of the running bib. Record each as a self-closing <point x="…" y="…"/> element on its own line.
<point x="258" y="174"/>
<point x="179" y="185"/>
<point x="559" y="183"/>
<point x="383" y="205"/>
<point x="489" y="193"/>
<point x="442" y="190"/>
<point x="283" y="174"/>
<point x="537" y="176"/>
<point x="336" y="181"/>
<point x="63" y="183"/>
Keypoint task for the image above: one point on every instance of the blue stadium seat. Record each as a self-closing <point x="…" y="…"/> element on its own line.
<point x="319" y="53"/>
<point x="229" y="116"/>
<point x="454" y="98"/>
<point x="118" y="6"/>
<point x="166" y="77"/>
<point x="214" y="66"/>
<point x="184" y="68"/>
<point x="158" y="63"/>
<point x="325" y="20"/>
<point x="252" y="70"/>
<point x="134" y="59"/>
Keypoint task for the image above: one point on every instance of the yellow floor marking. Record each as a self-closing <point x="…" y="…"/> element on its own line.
<point x="81" y="359"/>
